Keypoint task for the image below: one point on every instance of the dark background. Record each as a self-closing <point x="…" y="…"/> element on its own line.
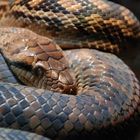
<point x="132" y="56"/>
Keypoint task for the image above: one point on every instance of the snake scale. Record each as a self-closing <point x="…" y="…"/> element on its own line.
<point x="89" y="91"/>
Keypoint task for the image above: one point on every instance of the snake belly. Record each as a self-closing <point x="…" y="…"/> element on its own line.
<point x="108" y="91"/>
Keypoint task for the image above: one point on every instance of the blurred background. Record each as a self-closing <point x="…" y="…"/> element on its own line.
<point x="132" y="56"/>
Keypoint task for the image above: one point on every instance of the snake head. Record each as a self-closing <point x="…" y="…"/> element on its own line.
<point x="41" y="63"/>
<point x="54" y="76"/>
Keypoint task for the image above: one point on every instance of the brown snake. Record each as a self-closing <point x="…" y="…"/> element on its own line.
<point x="100" y="92"/>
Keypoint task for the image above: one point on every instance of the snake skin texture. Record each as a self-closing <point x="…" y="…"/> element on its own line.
<point x="90" y="23"/>
<point x="108" y="93"/>
<point x="10" y="134"/>
<point x="102" y="102"/>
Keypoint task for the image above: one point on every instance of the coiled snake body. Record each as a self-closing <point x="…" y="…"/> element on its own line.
<point x="106" y="90"/>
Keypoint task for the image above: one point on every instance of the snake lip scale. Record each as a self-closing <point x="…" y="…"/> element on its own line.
<point x="74" y="86"/>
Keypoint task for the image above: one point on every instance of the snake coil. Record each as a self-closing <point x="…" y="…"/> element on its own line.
<point x="101" y="93"/>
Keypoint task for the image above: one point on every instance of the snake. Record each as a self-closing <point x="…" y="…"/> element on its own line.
<point x="60" y="73"/>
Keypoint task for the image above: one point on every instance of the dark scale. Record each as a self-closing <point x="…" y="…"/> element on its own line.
<point x="57" y="124"/>
<point x="24" y="104"/>
<point x="56" y="10"/>
<point x="46" y="123"/>
<point x="10" y="118"/>
<point x="17" y="110"/>
<point x="49" y="22"/>
<point x="23" y="2"/>
<point x="51" y="132"/>
<point x="57" y="22"/>
<point x="30" y="8"/>
<point x="46" y="108"/>
<point x="67" y="110"/>
<point x="22" y="120"/>
<point x="38" y="18"/>
<point x="54" y="22"/>
<point x="15" y="92"/>
<point x="41" y="6"/>
<point x="52" y="102"/>
<point x="51" y="5"/>
<point x="88" y="9"/>
<point x="62" y="104"/>
<point x="41" y="100"/>
<point x="63" y="117"/>
<point x="3" y="90"/>
<point x="51" y="115"/>
<point x="19" y="14"/>
<point x="6" y="109"/>
<point x="57" y="109"/>
<point x="115" y="29"/>
<point x="2" y="99"/>
<point x="40" y="114"/>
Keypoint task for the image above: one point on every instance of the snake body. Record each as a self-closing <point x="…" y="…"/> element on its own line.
<point x="90" y="23"/>
<point x="107" y="92"/>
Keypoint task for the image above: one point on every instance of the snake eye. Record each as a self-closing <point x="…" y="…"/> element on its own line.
<point x="38" y="71"/>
